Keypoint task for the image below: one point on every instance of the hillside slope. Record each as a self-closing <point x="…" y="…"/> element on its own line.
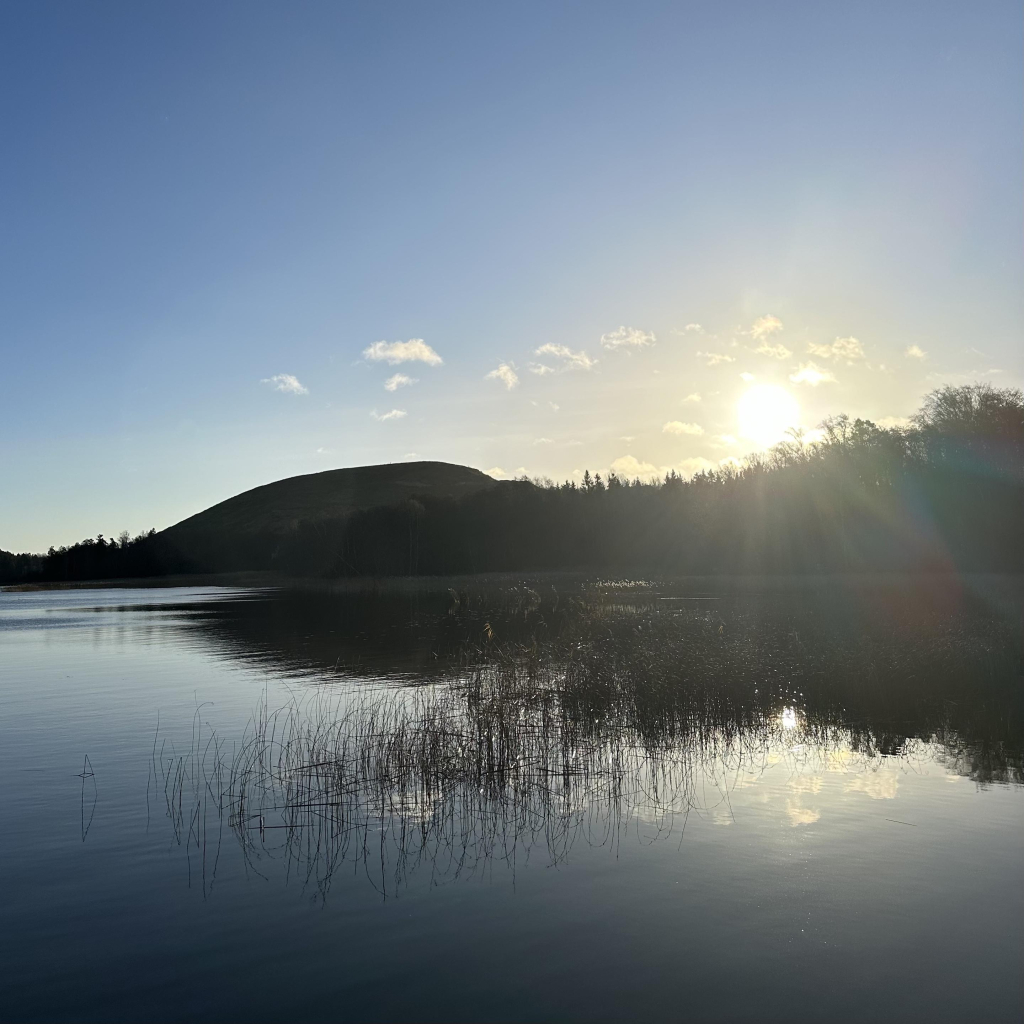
<point x="287" y="504"/>
<point x="252" y="529"/>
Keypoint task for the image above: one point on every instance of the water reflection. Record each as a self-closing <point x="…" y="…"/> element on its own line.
<point x="542" y="721"/>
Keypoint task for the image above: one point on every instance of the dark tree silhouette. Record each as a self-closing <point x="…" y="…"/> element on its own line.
<point x="946" y="492"/>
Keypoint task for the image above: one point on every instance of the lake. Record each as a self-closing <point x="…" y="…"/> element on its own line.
<point x="515" y="799"/>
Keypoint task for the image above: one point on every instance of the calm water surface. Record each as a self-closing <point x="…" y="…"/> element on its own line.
<point x="689" y="801"/>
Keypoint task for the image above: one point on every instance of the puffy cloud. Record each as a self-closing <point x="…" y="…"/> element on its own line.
<point x="497" y="472"/>
<point x="415" y="350"/>
<point x="287" y="383"/>
<point x="765" y="327"/>
<point x="627" y="337"/>
<point x="714" y="358"/>
<point x="506" y="374"/>
<point x="570" y="360"/>
<point x="693" y="397"/>
<point x="675" y="427"/>
<point x="849" y="349"/>
<point x="631" y="467"/>
<point x="810" y="373"/>
<point x="915" y="352"/>
<point x="395" y="414"/>
<point x="778" y="351"/>
<point x="398" y="380"/>
<point x="541" y="369"/>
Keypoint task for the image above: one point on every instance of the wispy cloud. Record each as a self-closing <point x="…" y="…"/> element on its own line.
<point x="693" y="397"/>
<point x="415" y="350"/>
<point x="543" y="440"/>
<point x="627" y="337"/>
<point x="287" y="383"/>
<point x="325" y="451"/>
<point x="714" y="358"/>
<point x="689" y="329"/>
<point x="849" y="349"/>
<point x="777" y="351"/>
<point x="394" y="414"/>
<point x="916" y="352"/>
<point x="765" y="327"/>
<point x="570" y="360"/>
<point x="506" y="374"/>
<point x="675" y="427"/>
<point x="810" y="373"/>
<point x="398" y="380"/>
<point x="748" y="377"/>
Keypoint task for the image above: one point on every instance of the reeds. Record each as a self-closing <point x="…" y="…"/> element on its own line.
<point x="606" y="724"/>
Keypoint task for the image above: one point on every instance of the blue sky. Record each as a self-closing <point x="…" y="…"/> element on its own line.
<point x="203" y="201"/>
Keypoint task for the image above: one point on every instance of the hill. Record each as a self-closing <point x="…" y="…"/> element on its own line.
<point x="285" y="505"/>
<point x="256" y="528"/>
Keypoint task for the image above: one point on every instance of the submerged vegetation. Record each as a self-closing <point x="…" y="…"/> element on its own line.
<point x="611" y="713"/>
<point x="944" y="493"/>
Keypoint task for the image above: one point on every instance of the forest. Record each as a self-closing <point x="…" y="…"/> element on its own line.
<point x="941" y="494"/>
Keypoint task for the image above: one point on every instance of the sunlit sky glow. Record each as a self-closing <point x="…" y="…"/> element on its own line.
<point x="247" y="241"/>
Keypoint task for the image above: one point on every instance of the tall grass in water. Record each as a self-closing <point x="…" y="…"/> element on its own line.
<point x="613" y="724"/>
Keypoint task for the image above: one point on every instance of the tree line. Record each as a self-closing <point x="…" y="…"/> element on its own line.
<point x="945" y="492"/>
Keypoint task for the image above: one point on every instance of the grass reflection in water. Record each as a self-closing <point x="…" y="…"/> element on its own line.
<point x="624" y="720"/>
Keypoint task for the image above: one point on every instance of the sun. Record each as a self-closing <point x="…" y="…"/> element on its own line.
<point x="766" y="412"/>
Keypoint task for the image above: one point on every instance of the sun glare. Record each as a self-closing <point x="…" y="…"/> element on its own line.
<point x="766" y="412"/>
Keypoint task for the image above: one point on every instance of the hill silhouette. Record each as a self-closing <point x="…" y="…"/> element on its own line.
<point x="258" y="527"/>
<point x="297" y="501"/>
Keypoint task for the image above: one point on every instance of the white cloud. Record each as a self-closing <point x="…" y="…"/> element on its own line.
<point x="631" y="467"/>
<point x="543" y="440"/>
<point x="398" y="380"/>
<point x="541" y="369"/>
<point x="714" y="358"/>
<point x="627" y="337"/>
<point x="765" y="327"/>
<point x="506" y="374"/>
<point x="395" y="414"/>
<point x="810" y="373"/>
<point x="915" y="352"/>
<point x="325" y="451"/>
<point x="748" y="377"/>
<point x="570" y="360"/>
<point x="415" y="350"/>
<point x="675" y="427"/>
<point x="689" y="329"/>
<point x="778" y="351"/>
<point x="849" y="349"/>
<point x="497" y="472"/>
<point x="693" y="397"/>
<point x="287" y="383"/>
<point x="554" y="406"/>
